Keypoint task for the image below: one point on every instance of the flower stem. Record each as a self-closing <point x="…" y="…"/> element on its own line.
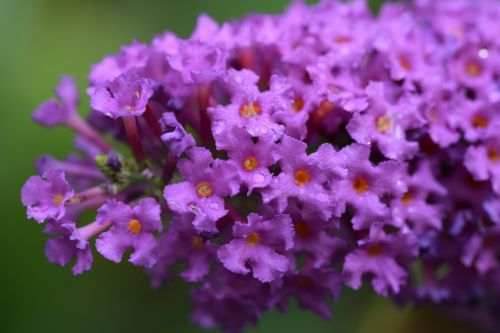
<point x="83" y="128"/>
<point x="134" y="139"/>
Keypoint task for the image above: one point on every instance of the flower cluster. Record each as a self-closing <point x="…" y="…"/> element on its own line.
<point x="291" y="156"/>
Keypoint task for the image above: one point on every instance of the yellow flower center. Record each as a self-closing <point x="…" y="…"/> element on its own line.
<point x="479" y="122"/>
<point x="493" y="155"/>
<point x="134" y="226"/>
<point x="407" y="197"/>
<point x="250" y="163"/>
<point x="58" y="198"/>
<point x="302" y="177"/>
<point x="252" y="239"/>
<point x="250" y="110"/>
<point x="197" y="243"/>
<point x="204" y="189"/>
<point x="298" y="104"/>
<point x="360" y="185"/>
<point x="384" y="124"/>
<point x="473" y="69"/>
<point x="374" y="250"/>
<point x="302" y="229"/>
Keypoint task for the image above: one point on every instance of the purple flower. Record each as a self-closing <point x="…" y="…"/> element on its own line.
<point x="54" y="112"/>
<point x="198" y="62"/>
<point x="287" y="113"/>
<point x="334" y="77"/>
<point x="45" y="197"/>
<point x="414" y="208"/>
<point x="482" y="251"/>
<point x="130" y="56"/>
<point x="257" y="245"/>
<point x="182" y="243"/>
<point x="207" y="183"/>
<point x="127" y="95"/>
<point x="476" y="120"/>
<point x="229" y="300"/>
<point x="437" y="98"/>
<point x="312" y="288"/>
<point x="68" y="243"/>
<point x="386" y="124"/>
<point x="379" y="255"/>
<point x="365" y="185"/>
<point x="132" y="228"/>
<point x="471" y="67"/>
<point x="483" y="162"/>
<point x="248" y="108"/>
<point x="305" y="178"/>
<point x="174" y="135"/>
<point x="252" y="156"/>
<point x="313" y="237"/>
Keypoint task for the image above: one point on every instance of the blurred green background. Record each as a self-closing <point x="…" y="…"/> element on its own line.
<point x="42" y="39"/>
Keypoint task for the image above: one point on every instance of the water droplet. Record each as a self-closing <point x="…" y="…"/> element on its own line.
<point x="483" y="53"/>
<point x="174" y="204"/>
<point x="193" y="208"/>
<point x="214" y="206"/>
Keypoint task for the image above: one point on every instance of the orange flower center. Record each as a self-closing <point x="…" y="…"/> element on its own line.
<point x="407" y="197"/>
<point x="493" y="155"/>
<point x="250" y="110"/>
<point x="250" y="163"/>
<point x="479" y="122"/>
<point x="197" y="243"/>
<point x="204" y="189"/>
<point x="302" y="229"/>
<point x="473" y="69"/>
<point x="58" y="198"/>
<point x="134" y="226"/>
<point x="374" y="250"/>
<point x="384" y="124"/>
<point x="324" y="108"/>
<point x="252" y="239"/>
<point x="404" y="63"/>
<point x="302" y="177"/>
<point x="360" y="185"/>
<point x="298" y="104"/>
<point x="342" y="39"/>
